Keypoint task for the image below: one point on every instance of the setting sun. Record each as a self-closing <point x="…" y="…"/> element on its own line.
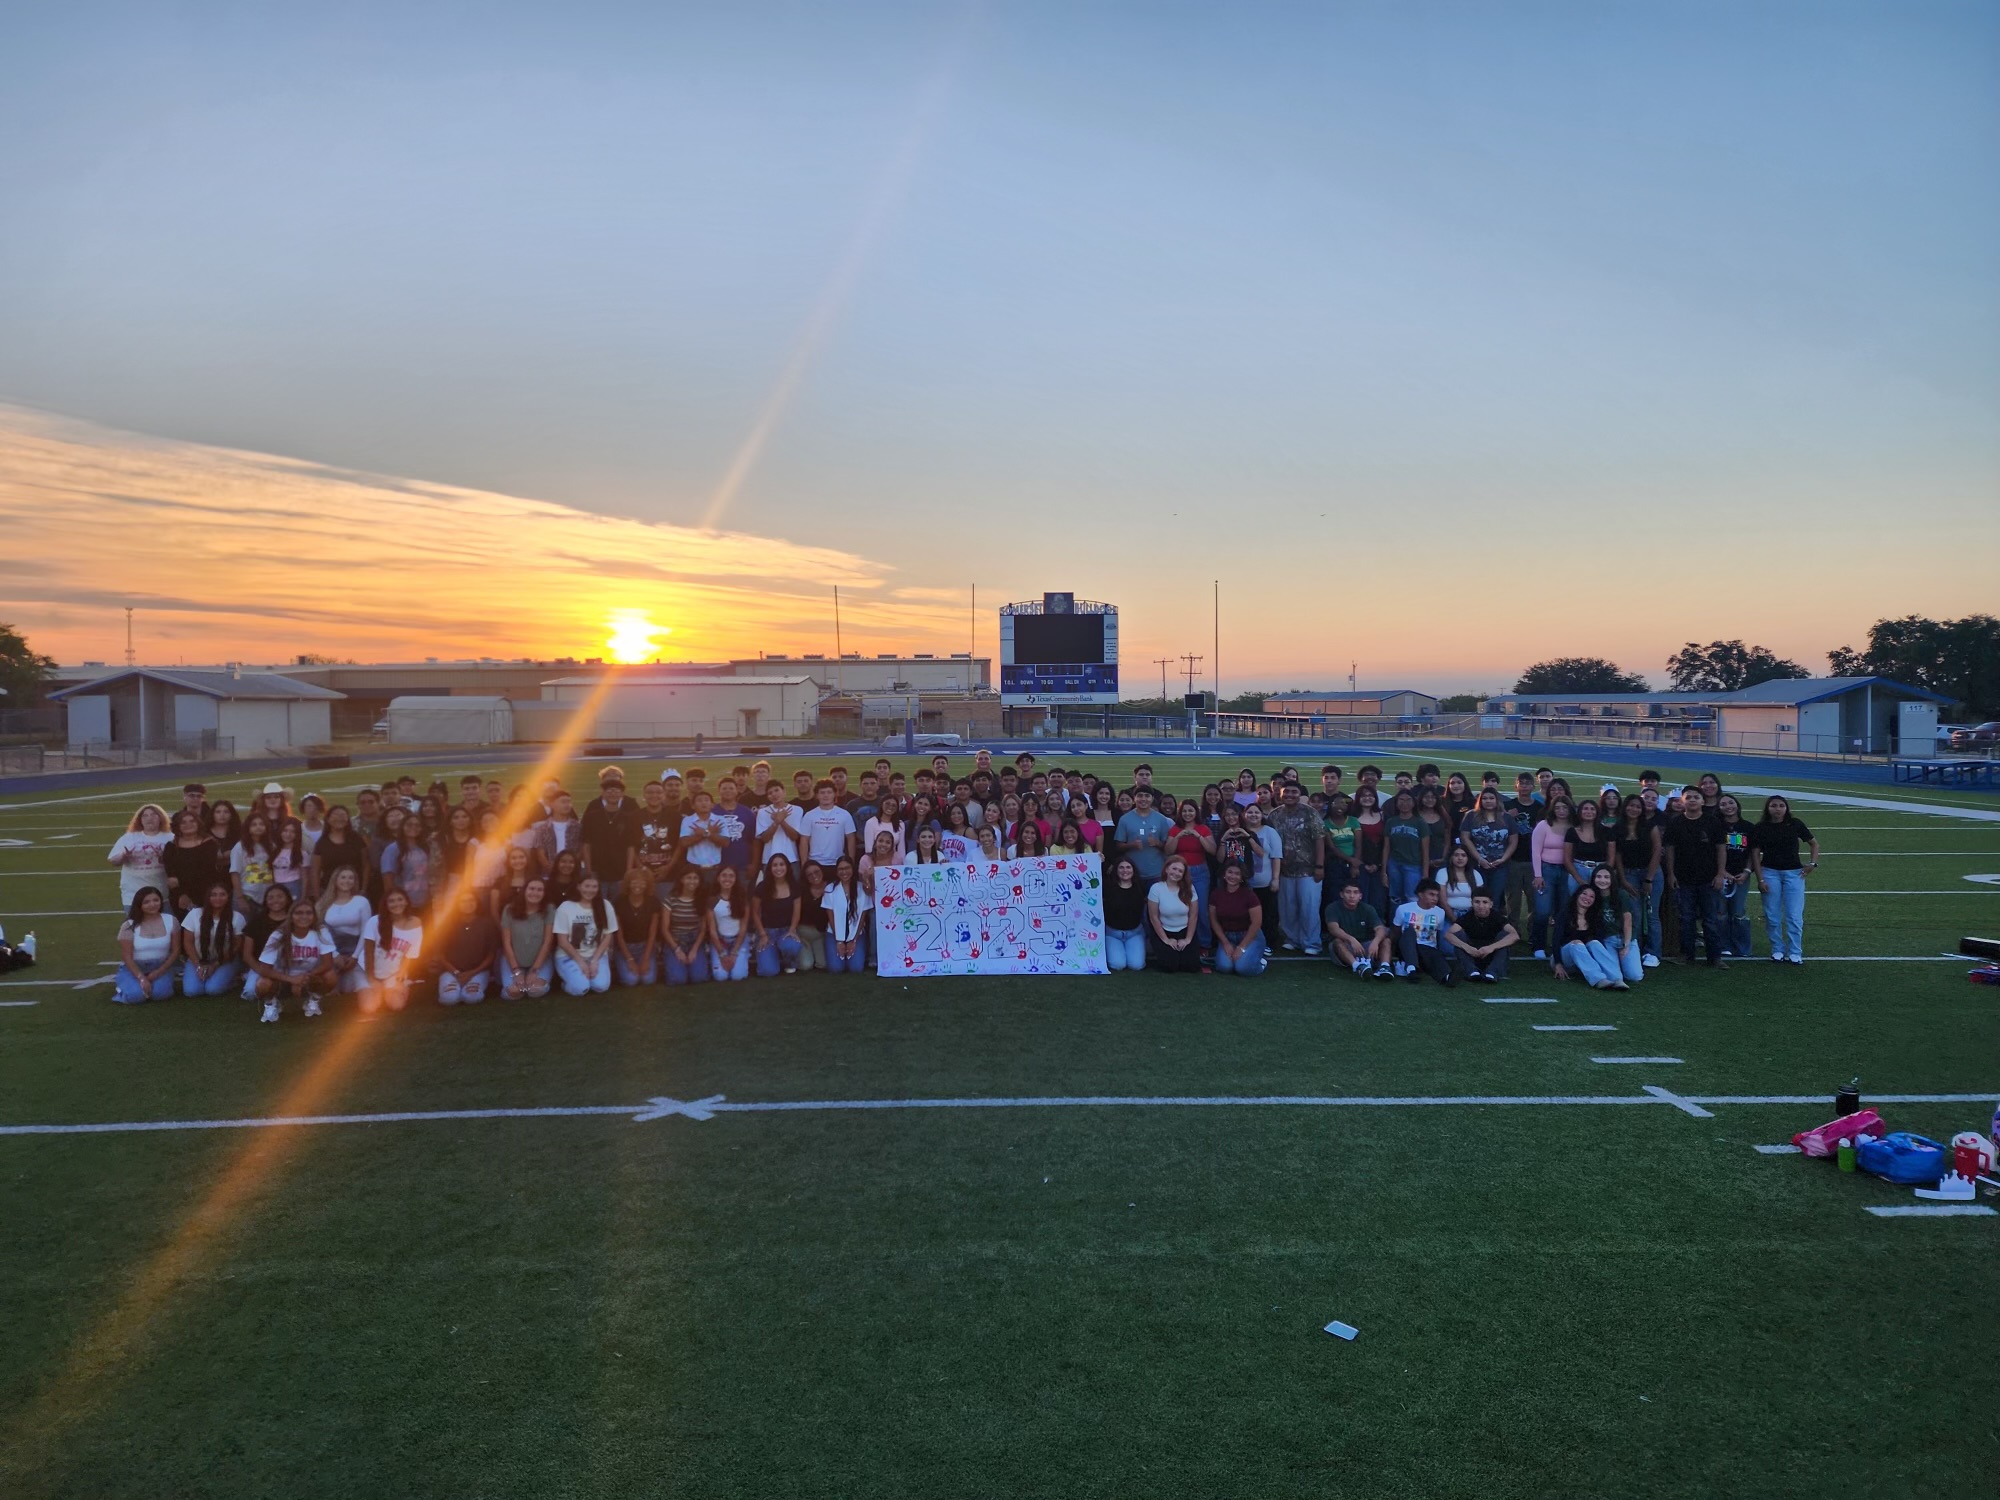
<point x="632" y="636"/>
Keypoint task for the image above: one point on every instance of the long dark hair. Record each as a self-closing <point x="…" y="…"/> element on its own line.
<point x="134" y="915"/>
<point x="205" y="946"/>
<point x="1594" y="920"/>
<point x="517" y="904"/>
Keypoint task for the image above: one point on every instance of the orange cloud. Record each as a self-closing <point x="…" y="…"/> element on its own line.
<point x="232" y="555"/>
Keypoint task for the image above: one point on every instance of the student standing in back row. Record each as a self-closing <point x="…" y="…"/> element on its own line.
<point x="1692" y="852"/>
<point x="611" y="832"/>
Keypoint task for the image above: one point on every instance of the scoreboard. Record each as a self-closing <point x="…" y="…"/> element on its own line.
<point x="1058" y="649"/>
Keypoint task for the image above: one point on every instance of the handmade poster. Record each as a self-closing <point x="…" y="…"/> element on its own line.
<point x="1042" y="915"/>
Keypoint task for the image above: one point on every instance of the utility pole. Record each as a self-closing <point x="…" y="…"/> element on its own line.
<point x="1193" y="662"/>
<point x="839" y="671"/>
<point x="1352" y="668"/>
<point x="1163" y="662"/>
<point x="131" y="656"/>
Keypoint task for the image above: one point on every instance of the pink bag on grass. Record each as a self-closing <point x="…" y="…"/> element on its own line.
<point x="1824" y="1140"/>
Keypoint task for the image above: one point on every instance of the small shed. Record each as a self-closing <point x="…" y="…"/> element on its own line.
<point x="183" y="708"/>
<point x="471" y="720"/>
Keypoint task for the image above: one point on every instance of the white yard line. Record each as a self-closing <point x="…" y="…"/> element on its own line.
<point x="1931" y="1211"/>
<point x="663" y="1107"/>
<point x="1664" y="1060"/>
<point x="1576" y="1028"/>
<point x="1515" y="1000"/>
<point x="17" y="1004"/>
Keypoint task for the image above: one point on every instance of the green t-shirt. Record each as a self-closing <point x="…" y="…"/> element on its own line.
<point x="1340" y="837"/>
<point x="1406" y="839"/>
<point x="1358" y="923"/>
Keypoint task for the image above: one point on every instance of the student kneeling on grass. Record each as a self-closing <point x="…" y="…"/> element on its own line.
<point x="1482" y="937"/>
<point x="297" y="962"/>
<point x="1170" y="907"/>
<point x="391" y="942"/>
<point x="635" y="938"/>
<point x="1356" y="932"/>
<point x="528" y="941"/>
<point x="1420" y="945"/>
<point x="464" y="949"/>
<point x="211" y="942"/>
<point x="583" y="940"/>
<point x="1236" y="919"/>
<point x="148" y="943"/>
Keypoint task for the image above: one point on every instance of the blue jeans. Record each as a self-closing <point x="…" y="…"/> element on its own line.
<point x="470" y="991"/>
<point x="721" y="973"/>
<point x="1591" y="961"/>
<point x="628" y="973"/>
<point x="221" y="979"/>
<point x="1402" y="884"/>
<point x="544" y="974"/>
<point x="1703" y="902"/>
<point x="1548" y="900"/>
<point x="1785" y="911"/>
<point x="855" y="963"/>
<point x="1496" y="886"/>
<point x="695" y="971"/>
<point x="781" y="952"/>
<point x="1736" y="916"/>
<point x="1298" y="911"/>
<point x="1627" y="955"/>
<point x="1247" y="963"/>
<point x="1125" y="950"/>
<point x="573" y="980"/>
<point x="125" y="987"/>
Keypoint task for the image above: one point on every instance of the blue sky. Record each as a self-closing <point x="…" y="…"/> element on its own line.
<point x="1258" y="284"/>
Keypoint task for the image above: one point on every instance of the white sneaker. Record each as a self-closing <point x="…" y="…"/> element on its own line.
<point x="312" y="1005"/>
<point x="1541" y="953"/>
<point x="1402" y="969"/>
<point x="1650" y="961"/>
<point x="1360" y="966"/>
<point x="270" y="1011"/>
<point x="1796" y="958"/>
<point x="28" y="945"/>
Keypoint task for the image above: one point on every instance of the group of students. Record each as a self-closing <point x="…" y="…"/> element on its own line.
<point x="1425" y="875"/>
<point x="515" y="890"/>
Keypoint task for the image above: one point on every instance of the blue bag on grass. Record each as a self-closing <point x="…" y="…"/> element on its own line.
<point x="1900" y="1157"/>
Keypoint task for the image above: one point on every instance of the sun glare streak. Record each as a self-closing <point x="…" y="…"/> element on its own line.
<point x="119" y="1339"/>
<point x="891" y="187"/>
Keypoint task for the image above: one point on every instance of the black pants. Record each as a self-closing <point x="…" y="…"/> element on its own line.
<point x="1432" y="961"/>
<point x="1174" y="960"/>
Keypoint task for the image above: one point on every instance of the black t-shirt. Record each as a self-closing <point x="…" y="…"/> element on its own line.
<point x="1479" y="931"/>
<point x="470" y="942"/>
<point x="1124" y="910"/>
<point x="1524" y="816"/>
<point x="1588" y="848"/>
<point x="659" y="836"/>
<point x="1693" y="841"/>
<point x="1779" y="842"/>
<point x="611" y="836"/>
<point x="635" y="921"/>
<point x="192" y="869"/>
<point x="257" y="929"/>
<point x="330" y="856"/>
<point x="1736" y="848"/>
<point x="1636" y="853"/>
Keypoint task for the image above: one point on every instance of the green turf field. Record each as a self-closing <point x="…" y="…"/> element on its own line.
<point x="1591" y="1299"/>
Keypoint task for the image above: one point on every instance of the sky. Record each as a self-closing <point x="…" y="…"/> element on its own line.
<point x="1445" y="338"/>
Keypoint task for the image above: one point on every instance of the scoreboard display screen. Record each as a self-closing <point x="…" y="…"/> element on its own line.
<point x="1058" y="640"/>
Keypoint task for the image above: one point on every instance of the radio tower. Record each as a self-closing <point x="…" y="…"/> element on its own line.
<point x="131" y="656"/>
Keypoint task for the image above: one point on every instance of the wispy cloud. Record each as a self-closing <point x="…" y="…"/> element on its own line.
<point x="237" y="555"/>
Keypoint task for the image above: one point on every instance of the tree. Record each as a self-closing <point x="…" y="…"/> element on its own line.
<point x="1958" y="658"/>
<point x="321" y="659"/>
<point x="1578" y="674"/>
<point x="1460" y="703"/>
<point x="22" y="672"/>
<point x="1725" y="666"/>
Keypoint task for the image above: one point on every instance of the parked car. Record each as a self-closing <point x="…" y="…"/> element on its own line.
<point x="380" y="731"/>
<point x="1979" y="737"/>
<point x="1946" y="731"/>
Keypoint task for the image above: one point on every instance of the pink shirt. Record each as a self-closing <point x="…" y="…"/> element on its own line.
<point x="1547" y="848"/>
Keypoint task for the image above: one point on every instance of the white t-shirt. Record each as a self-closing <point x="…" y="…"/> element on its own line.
<point x="143" y="864"/>
<point x="955" y="848"/>
<point x="826" y="830"/>
<point x="308" y="948"/>
<point x="786" y="840"/>
<point x="577" y="921"/>
<point x="223" y="936"/>
<point x="401" y="946"/>
<point x="703" y="856"/>
<point x="844" y="915"/>
<point x="727" y="922"/>
<point x="1428" y="925"/>
<point x="1173" y="910"/>
<point x="149" y="949"/>
<point x="348" y="922"/>
<point x="1458" y="894"/>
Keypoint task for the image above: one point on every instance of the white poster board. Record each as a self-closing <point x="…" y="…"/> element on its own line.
<point x="1043" y="915"/>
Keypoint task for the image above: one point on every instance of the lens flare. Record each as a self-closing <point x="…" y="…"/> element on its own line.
<point x="632" y="636"/>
